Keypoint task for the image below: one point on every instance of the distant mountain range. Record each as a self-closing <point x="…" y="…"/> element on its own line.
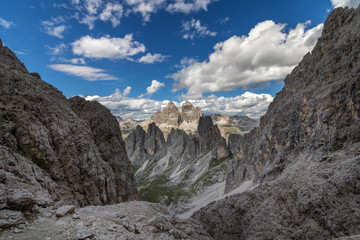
<point x="188" y="119"/>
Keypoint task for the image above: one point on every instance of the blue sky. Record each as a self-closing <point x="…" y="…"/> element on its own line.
<point x="134" y="56"/>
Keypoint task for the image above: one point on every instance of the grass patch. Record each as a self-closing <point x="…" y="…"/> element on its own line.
<point x="157" y="191"/>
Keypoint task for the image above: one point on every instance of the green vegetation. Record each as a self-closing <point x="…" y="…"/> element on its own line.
<point x="157" y="191"/>
<point x="231" y="129"/>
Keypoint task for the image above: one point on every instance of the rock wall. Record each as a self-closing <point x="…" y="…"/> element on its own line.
<point x="318" y="108"/>
<point x="169" y="116"/>
<point x="54" y="149"/>
<point x="305" y="153"/>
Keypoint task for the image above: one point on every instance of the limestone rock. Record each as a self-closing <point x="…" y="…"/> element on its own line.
<point x="189" y="113"/>
<point x="9" y="218"/>
<point x="20" y="199"/>
<point x="210" y="138"/>
<point x="305" y="154"/>
<point x="135" y="146"/>
<point x="169" y="116"/>
<point x="131" y="220"/>
<point x="62" y="211"/>
<point x="53" y="149"/>
<point x="154" y="143"/>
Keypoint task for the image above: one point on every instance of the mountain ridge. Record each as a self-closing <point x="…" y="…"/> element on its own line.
<point x="304" y="157"/>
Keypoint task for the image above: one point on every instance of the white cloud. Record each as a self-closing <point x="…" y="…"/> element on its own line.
<point x="56" y="50"/>
<point x="194" y="29"/>
<point x="5" y="24"/>
<point x="54" y="27"/>
<point x="145" y="7"/>
<point x="127" y="91"/>
<point x="267" y="53"/>
<point x="152" y="58"/>
<point x="92" y="6"/>
<point x="113" y="13"/>
<point x="85" y="72"/>
<point x="344" y="3"/>
<point x="188" y="6"/>
<point x="89" y="20"/>
<point x="75" y="61"/>
<point x="107" y="47"/>
<point x="154" y="87"/>
<point x="250" y="104"/>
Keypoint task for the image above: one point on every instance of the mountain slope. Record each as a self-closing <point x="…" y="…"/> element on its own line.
<point x="55" y="150"/>
<point x="305" y="153"/>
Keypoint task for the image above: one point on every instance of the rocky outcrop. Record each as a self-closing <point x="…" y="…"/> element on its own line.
<point x="210" y="138"/>
<point x="154" y="141"/>
<point x="142" y="146"/>
<point x="169" y="116"/>
<point x="305" y="153"/>
<point x="135" y="146"/>
<point x="189" y="113"/>
<point x="55" y="150"/>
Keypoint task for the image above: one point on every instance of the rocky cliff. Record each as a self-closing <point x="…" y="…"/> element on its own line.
<point x="169" y="116"/>
<point x="190" y="114"/>
<point x="305" y="153"/>
<point x="56" y="150"/>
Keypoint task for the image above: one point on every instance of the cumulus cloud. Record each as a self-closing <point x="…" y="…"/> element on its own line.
<point x="249" y="104"/>
<point x="267" y="53"/>
<point x="344" y="3"/>
<point x="85" y="72"/>
<point x="5" y="24"/>
<point x="145" y="7"/>
<point x="188" y="6"/>
<point x="107" y="47"/>
<point x="113" y="13"/>
<point x="194" y="29"/>
<point x="152" y="58"/>
<point x="127" y="91"/>
<point x="154" y="87"/>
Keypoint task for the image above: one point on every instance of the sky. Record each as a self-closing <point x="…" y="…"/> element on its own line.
<point x="134" y="56"/>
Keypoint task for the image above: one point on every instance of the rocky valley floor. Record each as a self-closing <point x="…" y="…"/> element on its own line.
<point x="132" y="220"/>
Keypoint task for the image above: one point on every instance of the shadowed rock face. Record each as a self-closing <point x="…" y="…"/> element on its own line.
<point x="305" y="153"/>
<point x="54" y="149"/>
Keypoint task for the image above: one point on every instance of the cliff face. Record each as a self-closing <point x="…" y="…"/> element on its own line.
<point x="190" y="114"/>
<point x="318" y="108"/>
<point x="169" y="116"/>
<point x="54" y="149"/>
<point x="305" y="153"/>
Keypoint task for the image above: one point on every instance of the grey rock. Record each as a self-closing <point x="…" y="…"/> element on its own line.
<point x="9" y="218"/>
<point x="58" y="149"/>
<point x="20" y="199"/>
<point x="3" y="176"/>
<point x="64" y="210"/>
<point x="154" y="143"/>
<point x="305" y="154"/>
<point x="83" y="234"/>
